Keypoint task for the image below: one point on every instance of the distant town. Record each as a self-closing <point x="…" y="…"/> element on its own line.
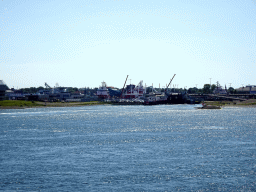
<point x="127" y="94"/>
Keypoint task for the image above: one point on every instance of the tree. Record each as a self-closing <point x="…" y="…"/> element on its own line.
<point x="32" y="90"/>
<point x="207" y="88"/>
<point x="213" y="87"/>
<point x="40" y="88"/>
<point x="200" y="91"/>
<point x="231" y="90"/>
<point x="192" y="90"/>
<point x="26" y="90"/>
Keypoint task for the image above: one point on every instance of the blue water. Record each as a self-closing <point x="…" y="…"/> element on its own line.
<point x="128" y="148"/>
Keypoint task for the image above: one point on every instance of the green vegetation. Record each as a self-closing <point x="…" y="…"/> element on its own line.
<point x="214" y="103"/>
<point x="195" y="90"/>
<point x="26" y="104"/>
<point x="207" y="88"/>
<point x="231" y="90"/>
<point x="31" y="89"/>
<point x="249" y="102"/>
<point x="93" y="103"/>
<point x="18" y="103"/>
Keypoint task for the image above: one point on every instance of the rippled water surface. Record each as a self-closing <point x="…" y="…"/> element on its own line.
<point x="128" y="148"/>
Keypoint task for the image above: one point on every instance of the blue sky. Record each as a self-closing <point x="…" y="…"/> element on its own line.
<point x="80" y="43"/>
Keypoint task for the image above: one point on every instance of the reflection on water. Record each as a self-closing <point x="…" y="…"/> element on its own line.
<point x="128" y="148"/>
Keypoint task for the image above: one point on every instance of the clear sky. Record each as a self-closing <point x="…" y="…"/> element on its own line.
<point x="80" y="43"/>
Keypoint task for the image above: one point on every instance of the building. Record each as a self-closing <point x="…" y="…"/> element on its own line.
<point x="3" y="88"/>
<point x="248" y="89"/>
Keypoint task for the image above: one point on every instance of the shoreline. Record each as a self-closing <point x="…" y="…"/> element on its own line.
<point x="39" y="104"/>
<point x="248" y="103"/>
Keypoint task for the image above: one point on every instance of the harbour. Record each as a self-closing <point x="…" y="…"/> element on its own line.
<point x="130" y="94"/>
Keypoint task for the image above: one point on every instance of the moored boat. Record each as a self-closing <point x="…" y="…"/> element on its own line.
<point x="204" y="106"/>
<point x="102" y="91"/>
<point x="131" y="91"/>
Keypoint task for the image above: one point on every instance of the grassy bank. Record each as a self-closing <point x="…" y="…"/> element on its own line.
<point x="93" y="103"/>
<point x="17" y="104"/>
<point x="249" y="102"/>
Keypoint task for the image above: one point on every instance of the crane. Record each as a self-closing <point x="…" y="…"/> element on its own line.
<point x="124" y="86"/>
<point x="170" y="82"/>
<point x="47" y="86"/>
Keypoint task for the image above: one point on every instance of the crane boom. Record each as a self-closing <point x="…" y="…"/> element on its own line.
<point x="47" y="86"/>
<point x="124" y="85"/>
<point x="170" y="82"/>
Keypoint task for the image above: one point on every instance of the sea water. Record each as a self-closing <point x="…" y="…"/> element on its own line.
<point x="128" y="148"/>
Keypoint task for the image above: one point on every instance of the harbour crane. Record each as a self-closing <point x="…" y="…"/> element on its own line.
<point x="124" y="86"/>
<point x="170" y="82"/>
<point x="47" y="86"/>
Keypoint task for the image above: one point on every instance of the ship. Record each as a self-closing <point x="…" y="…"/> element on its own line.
<point x="136" y="94"/>
<point x="155" y="98"/>
<point x="165" y="98"/>
<point x="102" y="91"/>
<point x="177" y="98"/>
<point x="114" y="92"/>
<point x="131" y="91"/>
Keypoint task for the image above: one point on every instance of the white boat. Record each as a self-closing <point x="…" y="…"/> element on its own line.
<point x="102" y="91"/>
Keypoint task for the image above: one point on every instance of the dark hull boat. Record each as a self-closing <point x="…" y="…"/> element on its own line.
<point x="167" y="98"/>
<point x="114" y="92"/>
<point x="176" y="98"/>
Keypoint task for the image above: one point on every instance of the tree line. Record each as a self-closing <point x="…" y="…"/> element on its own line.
<point x="208" y="89"/>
